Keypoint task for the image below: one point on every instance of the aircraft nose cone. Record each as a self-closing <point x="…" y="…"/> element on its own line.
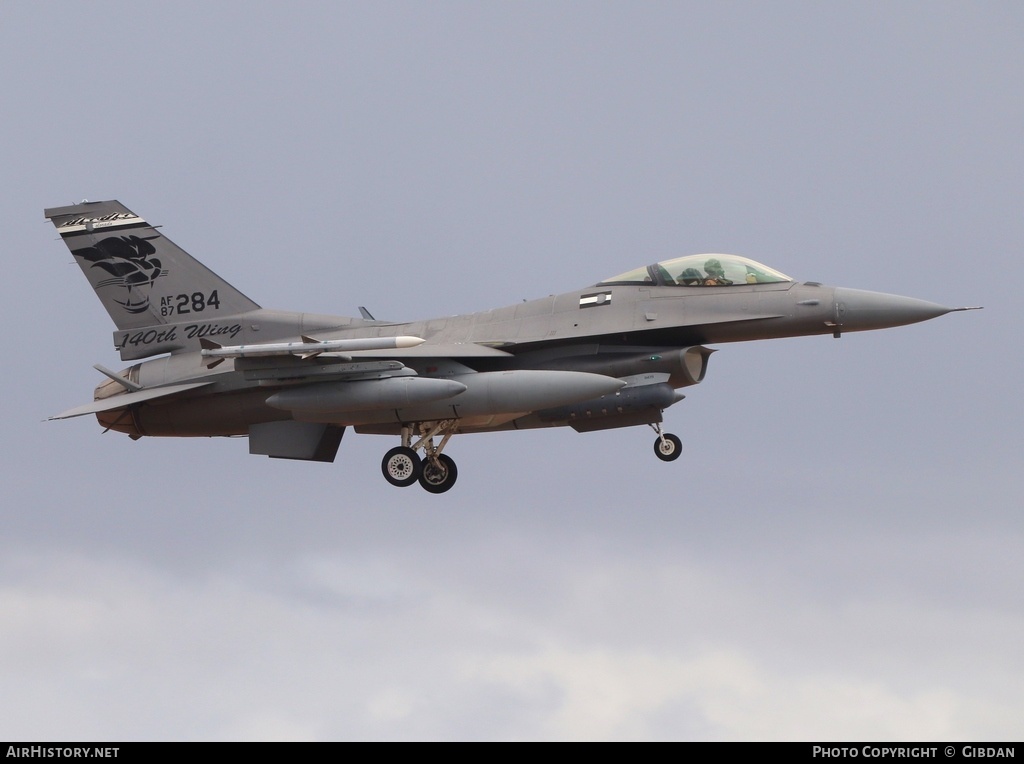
<point x="858" y="310"/>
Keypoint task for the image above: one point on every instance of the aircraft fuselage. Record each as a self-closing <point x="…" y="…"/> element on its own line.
<point x="633" y="330"/>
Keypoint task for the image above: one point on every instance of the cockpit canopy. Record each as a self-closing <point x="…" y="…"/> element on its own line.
<point x="701" y="270"/>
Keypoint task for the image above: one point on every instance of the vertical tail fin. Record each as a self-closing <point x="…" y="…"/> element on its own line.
<point x="141" y="277"/>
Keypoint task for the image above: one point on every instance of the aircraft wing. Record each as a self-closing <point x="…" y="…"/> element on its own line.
<point x="127" y="399"/>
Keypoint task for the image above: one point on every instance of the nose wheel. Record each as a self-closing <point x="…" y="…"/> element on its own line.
<point x="667" y="446"/>
<point x="436" y="472"/>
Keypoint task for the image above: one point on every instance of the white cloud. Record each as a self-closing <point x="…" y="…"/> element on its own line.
<point x="122" y="650"/>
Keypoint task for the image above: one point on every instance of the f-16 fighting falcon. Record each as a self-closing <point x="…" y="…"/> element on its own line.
<point x="614" y="354"/>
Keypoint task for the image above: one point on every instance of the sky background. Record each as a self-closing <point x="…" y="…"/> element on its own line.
<point x="839" y="553"/>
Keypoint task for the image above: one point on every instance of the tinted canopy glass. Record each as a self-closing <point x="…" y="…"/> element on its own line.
<point x="701" y="271"/>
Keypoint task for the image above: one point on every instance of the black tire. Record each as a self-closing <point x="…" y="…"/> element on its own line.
<point x="401" y="466"/>
<point x="438" y="478"/>
<point x="669" y="449"/>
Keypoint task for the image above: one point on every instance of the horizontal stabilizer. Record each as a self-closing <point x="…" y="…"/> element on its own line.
<point x="128" y="399"/>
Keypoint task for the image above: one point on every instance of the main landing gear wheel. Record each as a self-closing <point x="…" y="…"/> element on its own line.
<point x="668" y="447"/>
<point x="440" y="476"/>
<point x="401" y="466"/>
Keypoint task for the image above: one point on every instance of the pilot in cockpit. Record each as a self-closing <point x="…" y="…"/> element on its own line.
<point x="715" y="273"/>
<point x="690" y="277"/>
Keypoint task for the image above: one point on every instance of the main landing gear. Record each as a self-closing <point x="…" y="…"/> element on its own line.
<point x="436" y="472"/>
<point x="667" y="446"/>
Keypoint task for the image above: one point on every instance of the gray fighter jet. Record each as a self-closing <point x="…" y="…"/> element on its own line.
<point x="614" y="354"/>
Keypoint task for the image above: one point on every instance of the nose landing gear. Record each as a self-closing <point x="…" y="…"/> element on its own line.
<point x="667" y="446"/>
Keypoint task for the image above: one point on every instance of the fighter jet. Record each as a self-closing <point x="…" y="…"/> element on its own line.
<point x="613" y="354"/>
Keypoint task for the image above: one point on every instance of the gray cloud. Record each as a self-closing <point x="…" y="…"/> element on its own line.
<point x="837" y="555"/>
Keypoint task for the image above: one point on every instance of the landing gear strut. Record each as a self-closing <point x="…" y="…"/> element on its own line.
<point x="667" y="446"/>
<point x="436" y="472"/>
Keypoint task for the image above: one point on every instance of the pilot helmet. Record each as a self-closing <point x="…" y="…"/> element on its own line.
<point x="690" y="276"/>
<point x="714" y="268"/>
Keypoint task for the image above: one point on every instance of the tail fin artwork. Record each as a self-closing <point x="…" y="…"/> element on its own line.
<point x="142" y="278"/>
